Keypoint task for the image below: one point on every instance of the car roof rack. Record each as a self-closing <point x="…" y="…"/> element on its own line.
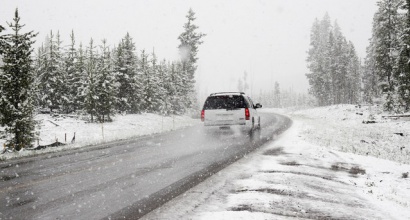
<point x="216" y="93"/>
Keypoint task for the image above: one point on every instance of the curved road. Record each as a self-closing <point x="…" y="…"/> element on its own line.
<point x="124" y="179"/>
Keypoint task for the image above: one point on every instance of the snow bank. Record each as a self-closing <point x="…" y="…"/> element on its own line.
<point x="362" y="131"/>
<point x="64" y="128"/>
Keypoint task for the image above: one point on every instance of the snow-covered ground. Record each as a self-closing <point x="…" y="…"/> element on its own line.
<point x="344" y="128"/>
<point x="62" y="129"/>
<point x="324" y="167"/>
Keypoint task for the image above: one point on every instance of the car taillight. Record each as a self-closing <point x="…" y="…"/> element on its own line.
<point x="247" y="114"/>
<point x="203" y="115"/>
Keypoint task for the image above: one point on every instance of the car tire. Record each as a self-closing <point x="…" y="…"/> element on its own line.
<point x="252" y="127"/>
<point x="259" y="123"/>
<point x="253" y="123"/>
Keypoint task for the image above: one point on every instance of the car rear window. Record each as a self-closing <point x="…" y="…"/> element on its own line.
<point x="224" y="102"/>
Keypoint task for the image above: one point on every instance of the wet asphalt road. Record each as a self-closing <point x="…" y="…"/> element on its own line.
<point x="125" y="179"/>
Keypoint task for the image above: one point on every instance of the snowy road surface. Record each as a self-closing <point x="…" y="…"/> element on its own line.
<point x="292" y="179"/>
<point x="125" y="179"/>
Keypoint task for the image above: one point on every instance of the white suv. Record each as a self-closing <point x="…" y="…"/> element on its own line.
<point x="228" y="109"/>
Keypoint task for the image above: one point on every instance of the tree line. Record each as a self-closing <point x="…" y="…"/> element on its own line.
<point x="334" y="66"/>
<point x="278" y="97"/>
<point x="102" y="82"/>
<point x="94" y="79"/>
<point x="387" y="65"/>
<point x="336" y="75"/>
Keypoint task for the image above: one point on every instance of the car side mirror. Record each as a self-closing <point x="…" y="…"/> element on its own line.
<point x="258" y="105"/>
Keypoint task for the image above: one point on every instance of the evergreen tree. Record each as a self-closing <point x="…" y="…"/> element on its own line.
<point x="338" y="62"/>
<point x="2" y="42"/>
<point x="403" y="73"/>
<point x="16" y="86"/>
<point x="150" y="78"/>
<point x="2" y="50"/>
<point x="165" y="88"/>
<point x="386" y="44"/>
<point x="73" y="78"/>
<point x="106" y="88"/>
<point x="276" y="96"/>
<point x="370" y="81"/>
<point x="154" y="85"/>
<point x="353" y="86"/>
<point x="144" y="71"/>
<point x="41" y="67"/>
<point x="190" y="39"/>
<point x="79" y="80"/>
<point x="319" y="62"/>
<point x="125" y="66"/>
<point x="177" y="92"/>
<point x="334" y="75"/>
<point x="90" y="87"/>
<point x="38" y="68"/>
<point x="52" y="78"/>
<point x="327" y="41"/>
<point x="62" y="86"/>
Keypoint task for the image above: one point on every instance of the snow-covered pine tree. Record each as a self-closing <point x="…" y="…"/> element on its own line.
<point x="325" y="61"/>
<point x="118" y="62"/>
<point x="403" y="73"/>
<point x="79" y="80"/>
<point x="52" y="77"/>
<point x="151" y="84"/>
<point x="38" y="68"/>
<point x="386" y="29"/>
<point x="62" y="87"/>
<point x="314" y="78"/>
<point x="125" y="66"/>
<point x="42" y="75"/>
<point x="2" y="50"/>
<point x="2" y="42"/>
<point x="371" y="89"/>
<point x="276" y="96"/>
<point x="190" y="39"/>
<point x="90" y="86"/>
<point x="155" y="84"/>
<point x="143" y="71"/>
<point x="319" y="61"/>
<point x="165" y="88"/>
<point x="339" y="61"/>
<point x="16" y="86"/>
<point x="333" y="65"/>
<point x="147" y="79"/>
<point x="178" y="94"/>
<point x="106" y="88"/>
<point x="353" y="86"/>
<point x="73" y="78"/>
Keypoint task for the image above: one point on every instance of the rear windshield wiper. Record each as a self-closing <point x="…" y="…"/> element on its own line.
<point x="231" y="109"/>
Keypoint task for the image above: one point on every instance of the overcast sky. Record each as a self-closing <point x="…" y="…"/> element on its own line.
<point x="266" y="38"/>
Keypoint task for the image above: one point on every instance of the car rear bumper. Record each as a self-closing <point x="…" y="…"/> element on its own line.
<point x="221" y="123"/>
